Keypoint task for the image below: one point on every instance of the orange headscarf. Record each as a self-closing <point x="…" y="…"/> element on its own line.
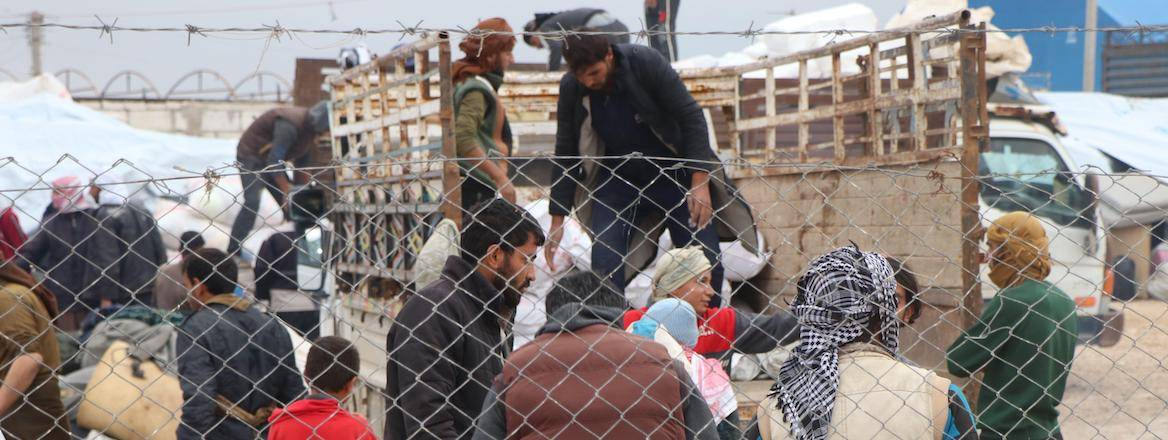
<point x="1019" y="245"/>
<point x="479" y="48"/>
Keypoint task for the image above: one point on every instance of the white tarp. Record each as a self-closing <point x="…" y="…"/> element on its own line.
<point x="43" y="137"/>
<point x="850" y="16"/>
<point x="1133" y="130"/>
<point x="40" y="84"/>
<point x="1003" y="53"/>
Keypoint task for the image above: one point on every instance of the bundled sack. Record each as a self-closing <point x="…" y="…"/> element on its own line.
<point x="130" y="398"/>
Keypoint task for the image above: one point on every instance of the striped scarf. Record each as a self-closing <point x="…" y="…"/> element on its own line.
<point x="837" y="296"/>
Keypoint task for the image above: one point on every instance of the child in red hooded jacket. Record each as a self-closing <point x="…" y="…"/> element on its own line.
<point x="331" y="372"/>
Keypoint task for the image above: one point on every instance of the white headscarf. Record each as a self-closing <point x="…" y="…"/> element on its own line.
<point x="676" y="268"/>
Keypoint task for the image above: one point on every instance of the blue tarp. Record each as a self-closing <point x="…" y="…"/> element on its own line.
<point x="45" y="137"/>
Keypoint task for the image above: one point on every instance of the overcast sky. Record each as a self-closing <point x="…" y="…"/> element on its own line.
<point x="165" y="57"/>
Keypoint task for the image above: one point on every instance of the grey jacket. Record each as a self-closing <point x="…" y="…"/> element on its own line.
<point x="79" y="257"/>
<point x="699" y="423"/>
<point x="573" y="19"/>
<point x="139" y="243"/>
<point x="662" y="101"/>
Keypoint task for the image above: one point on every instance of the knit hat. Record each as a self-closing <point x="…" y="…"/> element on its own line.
<point x="678" y="318"/>
<point x="677" y="267"/>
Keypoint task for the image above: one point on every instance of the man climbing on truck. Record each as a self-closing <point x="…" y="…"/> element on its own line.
<point x="626" y="100"/>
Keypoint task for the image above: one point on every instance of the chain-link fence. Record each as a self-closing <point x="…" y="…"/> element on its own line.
<point x="843" y="262"/>
<point x="347" y="259"/>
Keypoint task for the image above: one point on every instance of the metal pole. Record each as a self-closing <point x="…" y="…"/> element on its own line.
<point x="36" y="41"/>
<point x="1089" y="40"/>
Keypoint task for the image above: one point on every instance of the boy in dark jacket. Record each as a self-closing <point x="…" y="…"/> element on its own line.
<point x="331" y="370"/>
<point x="236" y="364"/>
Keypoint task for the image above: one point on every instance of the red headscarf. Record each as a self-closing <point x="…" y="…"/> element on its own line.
<point x="480" y="48"/>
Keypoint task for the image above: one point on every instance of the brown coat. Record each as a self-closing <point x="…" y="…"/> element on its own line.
<point x="601" y="380"/>
<point x="256" y="141"/>
<point x="25" y="328"/>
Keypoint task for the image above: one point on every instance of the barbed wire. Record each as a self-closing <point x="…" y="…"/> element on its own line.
<point x="107" y="27"/>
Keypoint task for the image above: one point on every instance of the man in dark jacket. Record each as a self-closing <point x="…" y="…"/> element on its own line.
<point x="78" y="258"/>
<point x="280" y="135"/>
<point x="236" y="364"/>
<point x="582" y="377"/>
<point x="573" y="19"/>
<point x="622" y="100"/>
<point x="139" y="243"/>
<point x="447" y="342"/>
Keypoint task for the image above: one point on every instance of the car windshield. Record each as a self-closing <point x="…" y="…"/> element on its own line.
<point x="1028" y="175"/>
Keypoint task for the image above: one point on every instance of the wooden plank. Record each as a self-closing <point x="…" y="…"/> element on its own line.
<point x="399" y="69"/>
<point x="452" y="202"/>
<point x="919" y="122"/>
<point x="972" y="105"/>
<point x="429" y="108"/>
<point x="900" y="98"/>
<point x="370" y="270"/>
<point x="804" y="105"/>
<point x="837" y="92"/>
<point x="770" y="111"/>
<point x="875" y="116"/>
<point x="392" y="209"/>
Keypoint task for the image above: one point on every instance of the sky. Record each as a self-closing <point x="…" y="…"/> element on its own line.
<point x="165" y="57"/>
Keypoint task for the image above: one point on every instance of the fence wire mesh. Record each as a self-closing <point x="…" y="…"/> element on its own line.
<point x="463" y="328"/>
<point x="127" y="322"/>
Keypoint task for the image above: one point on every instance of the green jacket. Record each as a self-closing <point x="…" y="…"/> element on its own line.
<point x="474" y="121"/>
<point x="1024" y="341"/>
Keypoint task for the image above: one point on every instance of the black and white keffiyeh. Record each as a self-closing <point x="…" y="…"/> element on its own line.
<point x="838" y="295"/>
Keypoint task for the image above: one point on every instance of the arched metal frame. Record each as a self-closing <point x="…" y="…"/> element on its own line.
<point x="200" y="88"/>
<point x="283" y="87"/>
<point x="135" y="85"/>
<point x="70" y="76"/>
<point x="129" y="75"/>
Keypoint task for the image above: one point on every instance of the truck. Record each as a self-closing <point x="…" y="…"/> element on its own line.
<point x="885" y="140"/>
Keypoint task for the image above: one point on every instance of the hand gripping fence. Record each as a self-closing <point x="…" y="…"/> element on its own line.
<point x="893" y="154"/>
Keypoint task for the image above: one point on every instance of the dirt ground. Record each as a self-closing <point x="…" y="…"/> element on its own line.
<point x="1121" y="392"/>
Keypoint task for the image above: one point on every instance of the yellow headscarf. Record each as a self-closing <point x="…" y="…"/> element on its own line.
<point x="676" y="268"/>
<point x="1021" y="249"/>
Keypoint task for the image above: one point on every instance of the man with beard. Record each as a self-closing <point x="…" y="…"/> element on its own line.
<point x="446" y="344"/>
<point x="616" y="102"/>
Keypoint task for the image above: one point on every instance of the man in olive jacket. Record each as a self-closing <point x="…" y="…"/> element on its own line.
<point x="626" y="100"/>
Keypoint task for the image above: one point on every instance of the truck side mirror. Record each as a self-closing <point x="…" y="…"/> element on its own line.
<point x="307" y="205"/>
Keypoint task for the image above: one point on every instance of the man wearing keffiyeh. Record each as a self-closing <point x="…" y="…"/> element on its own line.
<point x="843" y="380"/>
